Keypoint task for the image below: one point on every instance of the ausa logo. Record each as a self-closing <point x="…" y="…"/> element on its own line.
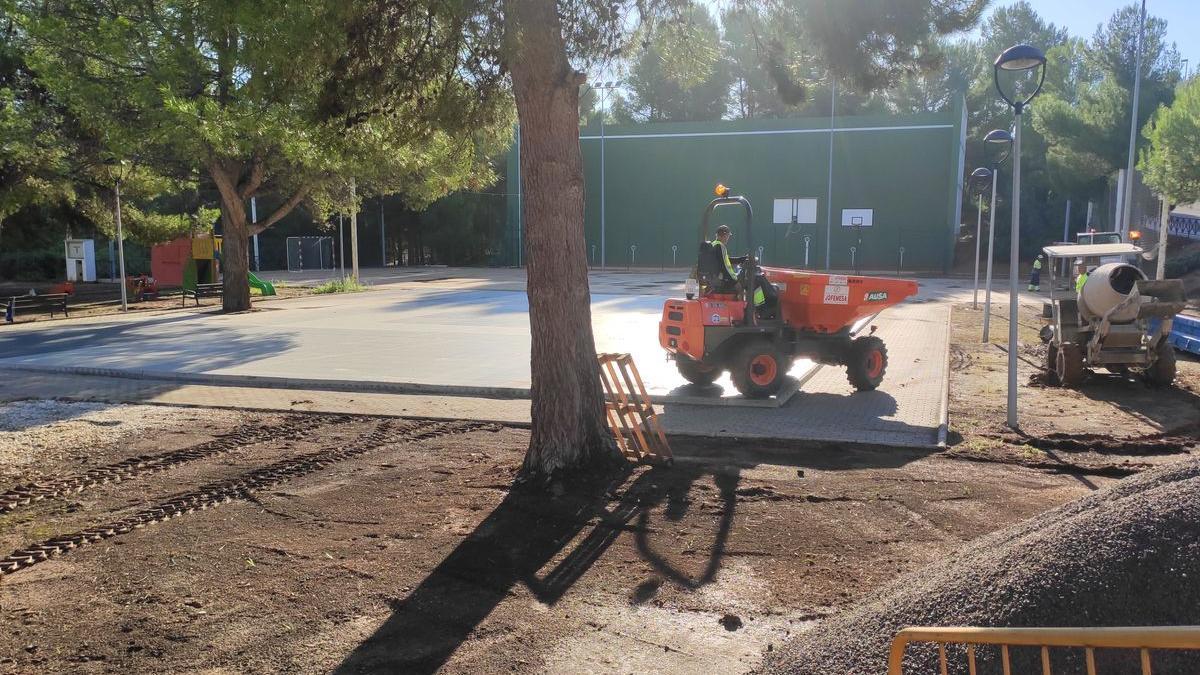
<point x="875" y="296"/>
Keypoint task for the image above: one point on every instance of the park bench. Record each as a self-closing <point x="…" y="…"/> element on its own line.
<point x="203" y="291"/>
<point x="23" y="304"/>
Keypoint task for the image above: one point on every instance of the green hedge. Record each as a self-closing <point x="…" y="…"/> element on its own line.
<point x="36" y="265"/>
<point x="1181" y="265"/>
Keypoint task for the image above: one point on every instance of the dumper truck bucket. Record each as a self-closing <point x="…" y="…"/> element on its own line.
<point x="827" y="303"/>
<point x="1166" y="298"/>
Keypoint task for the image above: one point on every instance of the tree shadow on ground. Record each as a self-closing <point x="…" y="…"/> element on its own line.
<point x="524" y="534"/>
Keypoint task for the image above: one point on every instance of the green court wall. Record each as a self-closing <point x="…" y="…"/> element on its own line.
<point x="659" y="177"/>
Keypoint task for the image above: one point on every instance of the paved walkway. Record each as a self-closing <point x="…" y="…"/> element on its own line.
<point x="466" y="334"/>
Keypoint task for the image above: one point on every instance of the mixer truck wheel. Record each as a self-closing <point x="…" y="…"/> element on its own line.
<point x="758" y="369"/>
<point x="867" y="363"/>
<point x="1068" y="366"/>
<point x="1162" y="373"/>
<point x="1052" y="365"/>
<point x="695" y="371"/>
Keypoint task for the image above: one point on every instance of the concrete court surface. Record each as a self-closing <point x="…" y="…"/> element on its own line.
<point x="451" y="333"/>
<point x="469" y="328"/>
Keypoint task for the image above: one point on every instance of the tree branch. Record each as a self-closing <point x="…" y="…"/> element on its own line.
<point x="283" y="210"/>
<point x="221" y="176"/>
<point x="254" y="180"/>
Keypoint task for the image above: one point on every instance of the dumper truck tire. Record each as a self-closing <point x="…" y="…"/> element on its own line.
<point x="1162" y="372"/>
<point x="695" y="371"/>
<point x="866" y="363"/>
<point x="1068" y="365"/>
<point x="758" y="369"/>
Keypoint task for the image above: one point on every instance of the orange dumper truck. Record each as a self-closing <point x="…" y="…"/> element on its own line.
<point x="809" y="315"/>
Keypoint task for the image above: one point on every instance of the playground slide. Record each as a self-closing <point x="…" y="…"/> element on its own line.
<point x="265" y="287"/>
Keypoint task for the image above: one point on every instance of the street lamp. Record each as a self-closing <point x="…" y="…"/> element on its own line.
<point x="994" y="136"/>
<point x="118" y="166"/>
<point x="1018" y="58"/>
<point x="603" y="88"/>
<point x="979" y="177"/>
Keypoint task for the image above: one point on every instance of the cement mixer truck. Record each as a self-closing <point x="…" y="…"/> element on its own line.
<point x="1117" y="320"/>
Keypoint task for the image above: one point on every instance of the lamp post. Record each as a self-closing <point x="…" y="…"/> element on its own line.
<point x="121" y="248"/>
<point x="979" y="176"/>
<point x="1130" y="176"/>
<point x="603" y="88"/>
<point x="118" y="168"/>
<point x="993" y="136"/>
<point x="1018" y="58"/>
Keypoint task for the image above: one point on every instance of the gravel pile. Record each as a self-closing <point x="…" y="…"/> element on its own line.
<point x="1126" y="555"/>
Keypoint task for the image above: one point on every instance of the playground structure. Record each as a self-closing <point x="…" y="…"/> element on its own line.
<point x="193" y="260"/>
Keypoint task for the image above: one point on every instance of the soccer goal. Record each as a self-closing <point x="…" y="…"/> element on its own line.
<point x="309" y="253"/>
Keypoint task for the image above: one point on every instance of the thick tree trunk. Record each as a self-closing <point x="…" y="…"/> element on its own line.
<point x="569" y="431"/>
<point x="235" y="258"/>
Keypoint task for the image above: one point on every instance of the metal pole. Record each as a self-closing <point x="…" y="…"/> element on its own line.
<point x="520" y="200"/>
<point x="341" y="247"/>
<point x="603" y="237"/>
<point x="1133" y="124"/>
<point x="382" y="237"/>
<point x="1014" y="271"/>
<point x="1067" y="223"/>
<point x="829" y="190"/>
<point x="353" y="230"/>
<point x="254" y="221"/>
<point x="987" y="292"/>
<point x="978" y="235"/>
<point x="1164" y="222"/>
<point x="1088" y="224"/>
<point x="121" y="251"/>
<point x="1120" y="200"/>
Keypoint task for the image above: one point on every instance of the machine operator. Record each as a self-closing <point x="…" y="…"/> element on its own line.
<point x="763" y="290"/>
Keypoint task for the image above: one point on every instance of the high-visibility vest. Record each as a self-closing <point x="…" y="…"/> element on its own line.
<point x="1037" y="264"/>
<point x="1080" y="281"/>
<point x="725" y="258"/>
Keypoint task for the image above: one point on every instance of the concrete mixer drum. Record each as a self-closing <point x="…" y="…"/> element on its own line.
<point x="1118" y="320"/>
<point x="1108" y="287"/>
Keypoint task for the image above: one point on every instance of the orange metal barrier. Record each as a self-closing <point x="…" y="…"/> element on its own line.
<point x="1140" y="637"/>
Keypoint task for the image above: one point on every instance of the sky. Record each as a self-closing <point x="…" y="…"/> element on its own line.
<point x="1080" y="17"/>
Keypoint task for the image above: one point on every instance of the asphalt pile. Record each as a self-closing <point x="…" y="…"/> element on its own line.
<point x="1127" y="555"/>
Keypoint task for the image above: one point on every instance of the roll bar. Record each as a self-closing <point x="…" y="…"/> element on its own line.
<point x="751" y="266"/>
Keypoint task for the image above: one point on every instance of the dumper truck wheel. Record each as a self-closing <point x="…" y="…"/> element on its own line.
<point x="758" y="369"/>
<point x="1068" y="366"/>
<point x="696" y="372"/>
<point x="867" y="363"/>
<point x="1162" y="373"/>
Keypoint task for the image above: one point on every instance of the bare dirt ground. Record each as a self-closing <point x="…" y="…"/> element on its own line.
<point x="316" y="543"/>
<point x="1111" y="425"/>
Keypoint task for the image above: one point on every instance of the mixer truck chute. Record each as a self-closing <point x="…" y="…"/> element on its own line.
<point x="1107" y="322"/>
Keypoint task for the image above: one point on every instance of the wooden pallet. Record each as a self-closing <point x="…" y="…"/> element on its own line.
<point x="631" y="416"/>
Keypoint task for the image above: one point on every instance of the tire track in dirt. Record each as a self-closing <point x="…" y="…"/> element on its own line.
<point x="249" y="434"/>
<point x="241" y="487"/>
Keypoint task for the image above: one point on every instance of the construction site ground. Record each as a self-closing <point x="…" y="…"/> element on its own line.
<point x="379" y="543"/>
<point x="415" y="554"/>
<point x="1109" y="425"/>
